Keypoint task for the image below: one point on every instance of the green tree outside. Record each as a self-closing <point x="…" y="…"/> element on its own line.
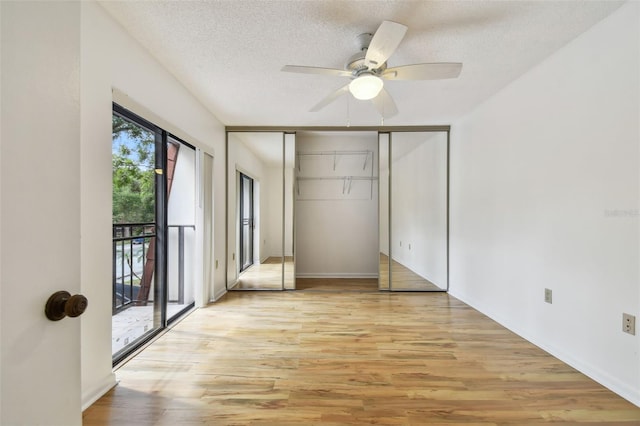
<point x="133" y="172"/>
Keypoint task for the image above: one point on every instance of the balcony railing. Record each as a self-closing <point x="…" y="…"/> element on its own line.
<point x="131" y="242"/>
<point x="133" y="260"/>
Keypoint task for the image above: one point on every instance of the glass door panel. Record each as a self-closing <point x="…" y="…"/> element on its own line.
<point x="288" y="217"/>
<point x="134" y="232"/>
<point x="181" y="230"/>
<point x="419" y="211"/>
<point x="255" y="218"/>
<point x="383" y="210"/>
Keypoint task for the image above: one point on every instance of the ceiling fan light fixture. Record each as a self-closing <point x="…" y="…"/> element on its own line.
<point x="366" y="87"/>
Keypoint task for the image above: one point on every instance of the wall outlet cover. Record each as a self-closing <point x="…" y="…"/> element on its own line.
<point x="548" y="295"/>
<point x="629" y="324"/>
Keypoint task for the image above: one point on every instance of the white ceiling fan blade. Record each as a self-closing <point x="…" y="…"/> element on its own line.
<point x="332" y="97"/>
<point x="434" y="71"/>
<point x="316" y="70"/>
<point x="384" y="42"/>
<point x="384" y="104"/>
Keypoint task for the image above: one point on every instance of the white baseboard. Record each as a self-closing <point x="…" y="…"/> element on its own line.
<point x="219" y="294"/>
<point x="622" y="389"/>
<point x="88" y="398"/>
<point x="335" y="275"/>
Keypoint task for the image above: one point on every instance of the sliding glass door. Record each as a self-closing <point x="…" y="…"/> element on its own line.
<point x="153" y="230"/>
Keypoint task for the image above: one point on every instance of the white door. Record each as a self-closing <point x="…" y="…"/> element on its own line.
<point x="40" y="211"/>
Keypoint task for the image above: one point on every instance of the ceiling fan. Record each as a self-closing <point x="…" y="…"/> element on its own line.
<point x="368" y="68"/>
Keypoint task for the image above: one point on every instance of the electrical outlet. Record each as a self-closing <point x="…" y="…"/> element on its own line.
<point x="216" y="263"/>
<point x="629" y="324"/>
<point x="400" y="243"/>
<point x="409" y="246"/>
<point x="548" y="295"/>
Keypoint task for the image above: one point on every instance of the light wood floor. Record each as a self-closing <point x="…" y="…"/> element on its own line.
<point x="337" y="284"/>
<point x="264" y="276"/>
<point x="302" y="358"/>
<point x="404" y="279"/>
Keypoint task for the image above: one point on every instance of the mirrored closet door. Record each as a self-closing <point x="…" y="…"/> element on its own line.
<point x="414" y="211"/>
<point x="260" y="167"/>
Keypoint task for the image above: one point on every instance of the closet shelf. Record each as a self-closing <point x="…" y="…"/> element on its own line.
<point x="335" y="154"/>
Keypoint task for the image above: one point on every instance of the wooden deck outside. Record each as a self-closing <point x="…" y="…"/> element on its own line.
<point x="339" y="358"/>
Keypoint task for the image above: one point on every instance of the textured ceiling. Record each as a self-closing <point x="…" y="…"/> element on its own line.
<point x="229" y="53"/>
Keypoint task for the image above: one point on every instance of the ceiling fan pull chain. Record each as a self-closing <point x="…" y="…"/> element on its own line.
<point x="348" y="114"/>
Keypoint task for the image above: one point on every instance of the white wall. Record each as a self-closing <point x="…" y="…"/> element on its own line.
<point x="41" y="208"/>
<point x="336" y="234"/>
<point x="537" y="174"/>
<point x="419" y="203"/>
<point x="114" y="67"/>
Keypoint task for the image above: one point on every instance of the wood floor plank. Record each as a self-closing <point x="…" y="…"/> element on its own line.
<point x="339" y="358"/>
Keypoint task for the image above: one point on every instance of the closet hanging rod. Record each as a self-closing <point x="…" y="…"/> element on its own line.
<point x="334" y="152"/>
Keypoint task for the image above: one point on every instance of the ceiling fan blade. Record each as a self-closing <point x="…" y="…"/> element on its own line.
<point x="384" y="42"/>
<point x="316" y="70"/>
<point x="384" y="104"/>
<point x="434" y="71"/>
<point x="332" y="97"/>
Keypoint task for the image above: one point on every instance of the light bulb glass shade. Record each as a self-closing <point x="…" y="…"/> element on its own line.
<point x="366" y="87"/>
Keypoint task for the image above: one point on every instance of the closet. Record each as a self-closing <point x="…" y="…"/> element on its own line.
<point x="338" y="203"/>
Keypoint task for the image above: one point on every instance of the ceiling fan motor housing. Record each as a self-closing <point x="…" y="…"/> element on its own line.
<point x="356" y="64"/>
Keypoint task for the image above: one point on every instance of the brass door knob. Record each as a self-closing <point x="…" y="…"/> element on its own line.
<point x="62" y="304"/>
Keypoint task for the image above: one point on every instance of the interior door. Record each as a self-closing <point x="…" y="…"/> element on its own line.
<point x="41" y="212"/>
<point x="246" y="222"/>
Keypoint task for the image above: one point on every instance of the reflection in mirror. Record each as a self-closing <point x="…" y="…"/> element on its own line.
<point x="289" y="179"/>
<point x="418" y="233"/>
<point x="383" y="210"/>
<point x="255" y="211"/>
